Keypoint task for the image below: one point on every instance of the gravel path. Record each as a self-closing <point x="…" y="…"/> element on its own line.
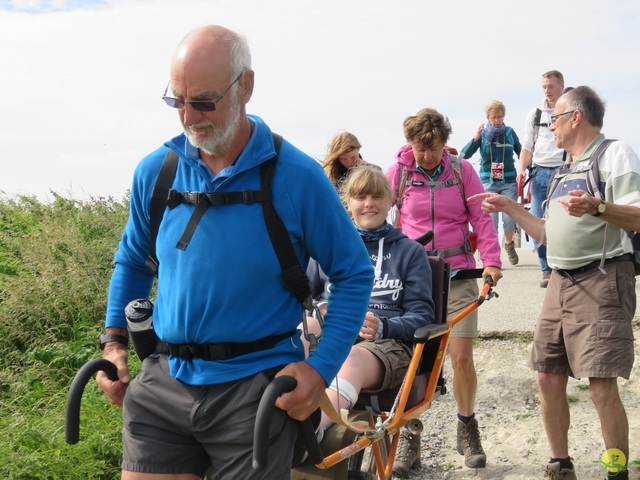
<point x="512" y="433"/>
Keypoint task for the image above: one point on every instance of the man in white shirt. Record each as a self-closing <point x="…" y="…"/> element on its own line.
<point x="540" y="152"/>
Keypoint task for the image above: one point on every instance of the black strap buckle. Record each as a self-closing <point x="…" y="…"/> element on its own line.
<point x="247" y="196"/>
<point x="193" y="198"/>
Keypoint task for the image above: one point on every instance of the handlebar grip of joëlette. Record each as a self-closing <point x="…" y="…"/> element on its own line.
<point x="72" y="421"/>
<point x="486" y="292"/>
<point x="278" y="386"/>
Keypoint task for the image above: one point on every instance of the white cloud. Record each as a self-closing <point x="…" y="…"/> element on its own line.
<point x="45" y="6"/>
<point x="82" y="84"/>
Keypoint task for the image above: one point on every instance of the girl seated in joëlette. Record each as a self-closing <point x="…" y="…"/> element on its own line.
<point x="401" y="299"/>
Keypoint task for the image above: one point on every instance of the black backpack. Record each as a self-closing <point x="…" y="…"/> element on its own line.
<point x="595" y="187"/>
<point x="294" y="276"/>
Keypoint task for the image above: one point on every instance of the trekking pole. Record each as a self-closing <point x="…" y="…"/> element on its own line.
<point x="277" y="387"/>
<point x="72" y="421"/>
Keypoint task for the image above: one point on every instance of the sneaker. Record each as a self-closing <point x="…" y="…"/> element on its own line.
<point x="468" y="444"/>
<point x="407" y="454"/>
<point x="545" y="279"/>
<point x="510" y="248"/>
<point x="554" y="472"/>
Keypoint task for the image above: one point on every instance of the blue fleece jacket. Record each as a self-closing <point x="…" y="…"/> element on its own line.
<point x="401" y="295"/>
<point x="227" y="285"/>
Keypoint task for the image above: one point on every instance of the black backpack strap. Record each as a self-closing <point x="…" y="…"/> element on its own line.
<point x="536" y="133"/>
<point x="537" y="125"/>
<point x="158" y="203"/>
<point x="201" y="208"/>
<point x="294" y="276"/>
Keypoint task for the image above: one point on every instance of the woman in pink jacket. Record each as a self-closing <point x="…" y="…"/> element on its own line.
<point x="431" y="186"/>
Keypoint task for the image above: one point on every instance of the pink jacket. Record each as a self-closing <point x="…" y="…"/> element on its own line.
<point x="443" y="210"/>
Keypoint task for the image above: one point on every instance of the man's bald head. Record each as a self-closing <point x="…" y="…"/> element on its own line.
<point x="214" y="45"/>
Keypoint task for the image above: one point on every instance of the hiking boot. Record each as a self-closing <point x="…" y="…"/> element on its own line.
<point x="407" y="454"/>
<point x="545" y="279"/>
<point x="469" y="445"/>
<point x="510" y="248"/>
<point x="554" y="472"/>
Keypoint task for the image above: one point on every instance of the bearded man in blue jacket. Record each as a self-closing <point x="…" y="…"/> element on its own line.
<point x="184" y="416"/>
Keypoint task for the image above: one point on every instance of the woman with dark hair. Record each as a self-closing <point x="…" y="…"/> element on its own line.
<point x="431" y="186"/>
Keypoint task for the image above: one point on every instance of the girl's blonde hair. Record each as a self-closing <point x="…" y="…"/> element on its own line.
<point x="341" y="144"/>
<point x="365" y="180"/>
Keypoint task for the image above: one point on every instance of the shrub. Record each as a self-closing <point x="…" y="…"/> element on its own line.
<point x="55" y="265"/>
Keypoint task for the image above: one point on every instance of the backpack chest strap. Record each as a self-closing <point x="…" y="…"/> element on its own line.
<point x="203" y="200"/>
<point x="176" y="198"/>
<point x="434" y="185"/>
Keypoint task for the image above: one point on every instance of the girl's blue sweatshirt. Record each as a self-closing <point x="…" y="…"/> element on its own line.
<point x="401" y="295"/>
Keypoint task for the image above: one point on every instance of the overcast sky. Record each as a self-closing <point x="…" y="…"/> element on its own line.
<point x="82" y="80"/>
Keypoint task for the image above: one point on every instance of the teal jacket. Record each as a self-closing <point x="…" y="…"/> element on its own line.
<point x="500" y="151"/>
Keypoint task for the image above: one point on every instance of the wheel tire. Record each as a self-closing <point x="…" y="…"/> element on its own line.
<point x="362" y="464"/>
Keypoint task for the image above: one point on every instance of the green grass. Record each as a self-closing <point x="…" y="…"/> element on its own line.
<point x="573" y="399"/>
<point x="55" y="265"/>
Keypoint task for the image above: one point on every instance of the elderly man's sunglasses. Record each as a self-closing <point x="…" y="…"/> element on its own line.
<point x="199" y="105"/>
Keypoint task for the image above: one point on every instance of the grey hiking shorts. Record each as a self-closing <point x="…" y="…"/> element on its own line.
<point x="170" y="427"/>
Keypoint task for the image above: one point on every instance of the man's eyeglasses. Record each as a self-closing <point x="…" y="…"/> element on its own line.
<point x="199" y="105"/>
<point x="554" y="118"/>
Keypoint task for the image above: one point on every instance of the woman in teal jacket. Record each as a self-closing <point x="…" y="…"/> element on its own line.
<point x="498" y="143"/>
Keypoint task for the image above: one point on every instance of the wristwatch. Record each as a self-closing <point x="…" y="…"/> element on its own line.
<point x="110" y="338"/>
<point x="601" y="208"/>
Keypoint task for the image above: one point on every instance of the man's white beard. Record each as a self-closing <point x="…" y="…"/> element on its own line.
<point x="218" y="141"/>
